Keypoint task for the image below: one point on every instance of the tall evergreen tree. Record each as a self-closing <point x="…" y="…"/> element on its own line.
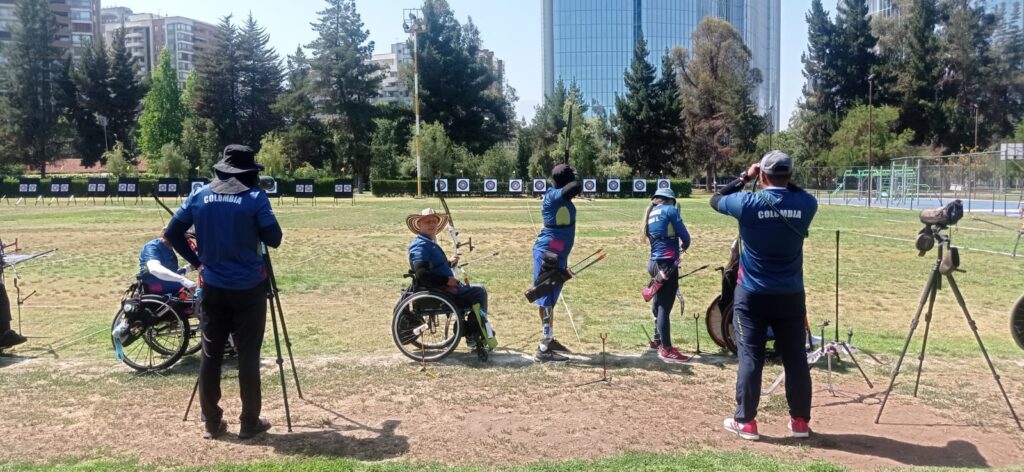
<point x="218" y="92"/>
<point x="854" y="52"/>
<point x="818" y="107"/>
<point x="916" y="80"/>
<point x="259" y="83"/>
<point x="671" y="129"/>
<point x="640" y="116"/>
<point x="343" y="82"/>
<point x="304" y="135"/>
<point x="31" y="85"/>
<point x="967" y="73"/>
<point x="457" y="88"/>
<point x="126" y="92"/>
<point x="162" y="111"/>
<point x="199" y="144"/>
<point x="91" y="104"/>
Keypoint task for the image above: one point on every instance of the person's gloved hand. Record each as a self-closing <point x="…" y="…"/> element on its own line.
<point x="188" y="284"/>
<point x="183" y="270"/>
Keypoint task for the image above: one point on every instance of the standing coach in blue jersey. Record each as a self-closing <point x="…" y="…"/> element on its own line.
<point x="770" y="288"/>
<point x="232" y="216"/>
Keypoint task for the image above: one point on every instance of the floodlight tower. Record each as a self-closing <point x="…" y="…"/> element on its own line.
<point x="413" y="24"/>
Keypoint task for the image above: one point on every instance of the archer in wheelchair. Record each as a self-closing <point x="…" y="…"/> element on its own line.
<point x="158" y="319"/>
<point x="436" y="310"/>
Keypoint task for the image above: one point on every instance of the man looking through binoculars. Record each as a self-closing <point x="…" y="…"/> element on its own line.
<point x="770" y="287"/>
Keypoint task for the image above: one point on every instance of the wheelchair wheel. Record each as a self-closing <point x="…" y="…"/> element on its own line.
<point x="1017" y="322"/>
<point x="194" y="341"/>
<point x="438" y="319"/>
<point x="156" y="336"/>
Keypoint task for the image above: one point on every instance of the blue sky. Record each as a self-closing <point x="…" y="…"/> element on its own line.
<point x="510" y="28"/>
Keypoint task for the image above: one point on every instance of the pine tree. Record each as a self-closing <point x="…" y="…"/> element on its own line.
<point x="915" y="85"/>
<point x="126" y="92"/>
<point x="32" y="90"/>
<point x="457" y="89"/>
<point x="162" y="111"/>
<point x="853" y="52"/>
<point x="818" y="107"/>
<point x="638" y="114"/>
<point x="259" y="83"/>
<point x="343" y="81"/>
<point x="199" y="143"/>
<point x="671" y="123"/>
<point x="217" y="88"/>
<point x="90" y="111"/>
<point x="303" y="134"/>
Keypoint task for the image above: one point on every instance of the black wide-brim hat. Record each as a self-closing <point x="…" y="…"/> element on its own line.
<point x="238" y="159"/>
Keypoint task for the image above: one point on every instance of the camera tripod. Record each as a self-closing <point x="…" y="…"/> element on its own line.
<point x="946" y="262"/>
<point x="274" y="299"/>
<point x="828" y="350"/>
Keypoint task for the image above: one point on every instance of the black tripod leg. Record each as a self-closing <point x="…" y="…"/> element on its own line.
<point x="280" y="365"/>
<point x="924" y="342"/>
<point x="984" y="352"/>
<point x="849" y="351"/>
<point x="191" y="399"/>
<point x="933" y="281"/>
<point x="275" y="298"/>
<point x="287" y="342"/>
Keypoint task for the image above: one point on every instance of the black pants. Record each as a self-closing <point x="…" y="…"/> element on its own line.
<point x="661" y="307"/>
<point x="5" y="310"/>
<point x="244" y="313"/>
<point x="785" y="314"/>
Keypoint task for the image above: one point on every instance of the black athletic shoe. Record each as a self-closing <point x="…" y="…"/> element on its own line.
<point x="548" y="356"/>
<point x="10" y="339"/>
<point x="554" y="345"/>
<point x="213" y="431"/>
<point x="251" y="432"/>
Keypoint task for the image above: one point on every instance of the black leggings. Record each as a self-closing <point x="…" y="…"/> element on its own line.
<point x="5" y="310"/>
<point x="243" y="313"/>
<point x="663" y="301"/>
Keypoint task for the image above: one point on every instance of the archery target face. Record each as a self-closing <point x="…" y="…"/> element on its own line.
<point x="664" y="183"/>
<point x="441" y="185"/>
<point x="162" y="188"/>
<point x="589" y="185"/>
<point x="490" y="185"/>
<point x="639" y="185"/>
<point x="54" y="188"/>
<point x="462" y="185"/>
<point x="613" y="185"/>
<point x="122" y="187"/>
<point x="540" y="185"/>
<point x="338" y="188"/>
<point x="515" y="185"/>
<point x="92" y="188"/>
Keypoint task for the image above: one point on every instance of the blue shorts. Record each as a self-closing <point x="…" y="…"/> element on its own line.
<point x="549" y="299"/>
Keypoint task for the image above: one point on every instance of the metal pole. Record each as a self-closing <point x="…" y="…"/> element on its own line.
<point x="975" y="128"/>
<point x="416" y="106"/>
<point x="870" y="106"/>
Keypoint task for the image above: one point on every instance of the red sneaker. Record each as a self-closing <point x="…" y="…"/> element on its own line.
<point x="798" y="428"/>
<point x="672" y="355"/>
<point x="654" y="345"/>
<point x="746" y="431"/>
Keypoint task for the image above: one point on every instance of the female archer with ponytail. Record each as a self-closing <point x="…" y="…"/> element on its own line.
<point x="665" y="230"/>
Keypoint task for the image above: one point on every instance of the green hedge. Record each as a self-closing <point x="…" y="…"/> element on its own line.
<point x="395" y="188"/>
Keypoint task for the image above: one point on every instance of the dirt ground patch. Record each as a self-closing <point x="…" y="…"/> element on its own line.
<point x="382" y="408"/>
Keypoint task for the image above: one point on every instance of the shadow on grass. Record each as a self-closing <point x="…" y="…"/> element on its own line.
<point x="329" y="440"/>
<point x="956" y="453"/>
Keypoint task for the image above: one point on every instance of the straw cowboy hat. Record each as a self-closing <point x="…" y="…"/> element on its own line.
<point x="413" y="221"/>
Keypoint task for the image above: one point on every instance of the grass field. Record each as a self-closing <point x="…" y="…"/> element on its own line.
<point x="340" y="270"/>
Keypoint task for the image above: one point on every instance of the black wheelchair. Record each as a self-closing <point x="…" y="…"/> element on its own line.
<point x="151" y="332"/>
<point x="428" y="323"/>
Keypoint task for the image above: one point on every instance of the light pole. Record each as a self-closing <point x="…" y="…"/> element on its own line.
<point x="103" y="121"/>
<point x="871" y="83"/>
<point x="412" y="23"/>
<point x="975" y="128"/>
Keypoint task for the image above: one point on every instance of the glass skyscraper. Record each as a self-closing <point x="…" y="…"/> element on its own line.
<point x="592" y="41"/>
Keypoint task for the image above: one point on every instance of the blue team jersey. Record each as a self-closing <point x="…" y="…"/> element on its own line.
<point x="666" y="231"/>
<point x="772" y="258"/>
<point x="559" y="232"/>
<point x="227" y="235"/>
<point x="156" y="250"/>
<point x="424" y="249"/>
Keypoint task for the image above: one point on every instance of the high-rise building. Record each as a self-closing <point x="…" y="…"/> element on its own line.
<point x="883" y="7"/>
<point x="391" y="88"/>
<point x="147" y="34"/>
<point x="79" y="22"/>
<point x="592" y="41"/>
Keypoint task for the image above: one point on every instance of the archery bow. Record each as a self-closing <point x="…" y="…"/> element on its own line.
<point x="453" y="233"/>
